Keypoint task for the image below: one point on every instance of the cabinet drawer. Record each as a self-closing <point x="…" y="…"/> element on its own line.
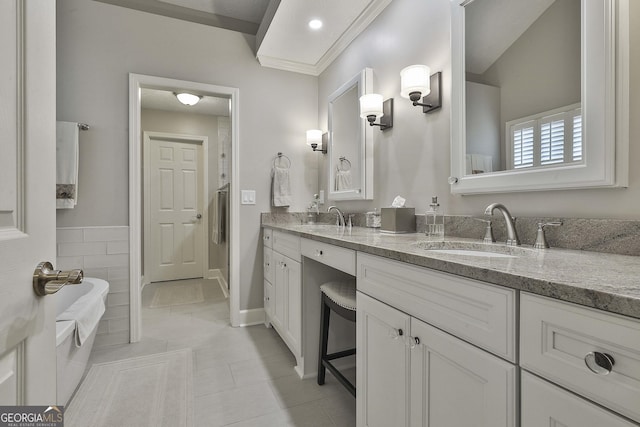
<point x="267" y="237"/>
<point x="331" y="255"/>
<point x="544" y="404"/>
<point x="286" y="244"/>
<point x="557" y="336"/>
<point x="479" y="313"/>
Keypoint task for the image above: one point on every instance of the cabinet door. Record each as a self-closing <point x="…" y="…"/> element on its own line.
<point x="278" y="297"/>
<point x="268" y="310"/>
<point x="382" y="365"/>
<point x="286" y="303"/>
<point x="455" y="384"/>
<point x="267" y="265"/>
<point x="544" y="405"/>
<point x="293" y="304"/>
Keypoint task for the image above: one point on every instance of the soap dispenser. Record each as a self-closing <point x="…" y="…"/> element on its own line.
<point x="434" y="221"/>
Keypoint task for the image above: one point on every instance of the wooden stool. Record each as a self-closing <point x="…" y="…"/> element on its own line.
<point x="341" y="298"/>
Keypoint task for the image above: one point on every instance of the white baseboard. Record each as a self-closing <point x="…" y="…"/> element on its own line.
<point x="217" y="274"/>
<point x="214" y="273"/>
<point x="251" y="317"/>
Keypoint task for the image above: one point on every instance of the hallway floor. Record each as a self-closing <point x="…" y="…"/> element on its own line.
<point x="243" y="377"/>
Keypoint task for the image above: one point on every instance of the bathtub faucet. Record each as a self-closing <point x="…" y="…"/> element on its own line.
<point x="47" y="281"/>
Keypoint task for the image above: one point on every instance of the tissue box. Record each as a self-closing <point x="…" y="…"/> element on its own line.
<point x="398" y="220"/>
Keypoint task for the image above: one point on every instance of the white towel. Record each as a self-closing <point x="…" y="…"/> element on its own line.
<point x="86" y="313"/>
<point x="280" y="187"/>
<point x="219" y="217"/>
<point x="344" y="180"/>
<point x="67" y="157"/>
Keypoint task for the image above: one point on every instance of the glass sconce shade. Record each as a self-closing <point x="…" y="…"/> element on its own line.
<point x="415" y="78"/>
<point x="371" y="105"/>
<point x="314" y="136"/>
<point x="188" y="98"/>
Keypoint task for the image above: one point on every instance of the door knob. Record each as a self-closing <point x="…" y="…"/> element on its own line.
<point x="47" y="281"/>
<point x="198" y="216"/>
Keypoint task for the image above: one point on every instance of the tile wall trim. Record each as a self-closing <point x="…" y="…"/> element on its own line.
<point x="102" y="252"/>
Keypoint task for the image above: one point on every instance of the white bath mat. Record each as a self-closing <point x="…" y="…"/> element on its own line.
<point x="178" y="294"/>
<point x="144" y="391"/>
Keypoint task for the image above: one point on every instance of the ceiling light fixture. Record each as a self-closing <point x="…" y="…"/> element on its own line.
<point x="188" y="98"/>
<point x="315" y="24"/>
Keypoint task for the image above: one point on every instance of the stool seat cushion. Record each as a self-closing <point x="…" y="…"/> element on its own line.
<point x="342" y="293"/>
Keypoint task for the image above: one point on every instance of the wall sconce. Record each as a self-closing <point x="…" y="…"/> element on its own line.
<point x="188" y="98"/>
<point x="417" y="81"/>
<point x="372" y="107"/>
<point x="314" y="139"/>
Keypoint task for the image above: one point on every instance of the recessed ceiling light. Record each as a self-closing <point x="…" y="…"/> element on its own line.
<point x="315" y="24"/>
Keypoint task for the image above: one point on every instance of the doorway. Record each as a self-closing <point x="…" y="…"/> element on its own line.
<point x="138" y="83"/>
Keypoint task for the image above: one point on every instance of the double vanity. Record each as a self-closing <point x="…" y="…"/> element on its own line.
<point x="461" y="333"/>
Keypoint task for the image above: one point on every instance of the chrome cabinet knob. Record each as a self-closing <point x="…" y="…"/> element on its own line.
<point x="599" y="363"/>
<point x="396" y="333"/>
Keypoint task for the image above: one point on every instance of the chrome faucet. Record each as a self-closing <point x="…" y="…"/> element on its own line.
<point x="341" y="222"/>
<point x="512" y="235"/>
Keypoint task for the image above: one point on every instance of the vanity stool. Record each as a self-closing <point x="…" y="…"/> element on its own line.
<point x="339" y="297"/>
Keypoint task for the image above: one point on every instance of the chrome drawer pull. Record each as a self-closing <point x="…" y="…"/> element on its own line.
<point x="599" y="363"/>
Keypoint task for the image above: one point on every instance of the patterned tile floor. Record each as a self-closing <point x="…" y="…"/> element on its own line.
<point x="242" y="376"/>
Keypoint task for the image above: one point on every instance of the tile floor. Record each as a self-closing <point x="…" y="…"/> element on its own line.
<point x="243" y="377"/>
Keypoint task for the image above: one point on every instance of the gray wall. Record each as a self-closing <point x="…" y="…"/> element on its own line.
<point x="100" y="44"/>
<point x="413" y="158"/>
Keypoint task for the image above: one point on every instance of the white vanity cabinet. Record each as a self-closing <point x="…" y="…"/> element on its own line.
<point x="283" y="287"/>
<point x="412" y="373"/>
<point x="559" y="342"/>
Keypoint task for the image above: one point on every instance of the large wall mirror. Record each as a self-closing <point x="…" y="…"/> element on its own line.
<point x="540" y="96"/>
<point x="350" y="141"/>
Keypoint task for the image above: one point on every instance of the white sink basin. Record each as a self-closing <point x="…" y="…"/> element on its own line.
<point x="474" y="249"/>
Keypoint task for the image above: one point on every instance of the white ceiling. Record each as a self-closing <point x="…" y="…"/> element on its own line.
<point x="284" y="38"/>
<point x="155" y="99"/>
<point x="491" y="26"/>
<point x="290" y="44"/>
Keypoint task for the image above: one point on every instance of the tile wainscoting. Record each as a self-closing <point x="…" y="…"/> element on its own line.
<point x="102" y="252"/>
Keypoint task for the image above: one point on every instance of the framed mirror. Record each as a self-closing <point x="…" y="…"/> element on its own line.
<point x="350" y="141"/>
<point x="540" y="96"/>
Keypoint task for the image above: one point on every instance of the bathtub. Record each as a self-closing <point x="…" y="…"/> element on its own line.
<point x="71" y="360"/>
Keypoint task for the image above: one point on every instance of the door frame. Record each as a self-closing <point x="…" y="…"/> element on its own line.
<point x="148" y="137"/>
<point x="136" y="83"/>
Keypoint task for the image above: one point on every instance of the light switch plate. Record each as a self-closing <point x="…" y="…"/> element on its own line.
<point x="248" y="197"/>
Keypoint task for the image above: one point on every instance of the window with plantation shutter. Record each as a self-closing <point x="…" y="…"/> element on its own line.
<point x="549" y="138"/>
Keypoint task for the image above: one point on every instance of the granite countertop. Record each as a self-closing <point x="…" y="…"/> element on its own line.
<point x="604" y="281"/>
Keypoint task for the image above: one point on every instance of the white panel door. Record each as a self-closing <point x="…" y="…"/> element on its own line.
<point x="27" y="199"/>
<point x="454" y="384"/>
<point x="382" y="364"/>
<point x="176" y="209"/>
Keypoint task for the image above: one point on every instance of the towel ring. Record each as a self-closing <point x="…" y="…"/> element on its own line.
<point x="343" y="160"/>
<point x="279" y="157"/>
